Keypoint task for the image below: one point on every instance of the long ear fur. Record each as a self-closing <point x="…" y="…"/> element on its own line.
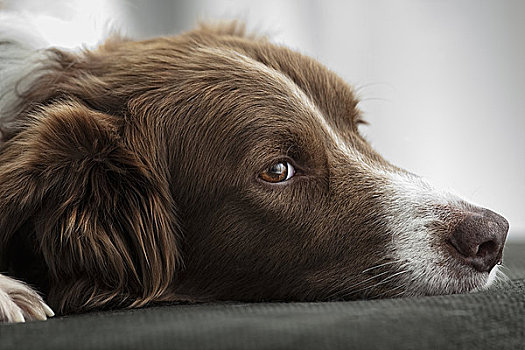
<point x="103" y="216"/>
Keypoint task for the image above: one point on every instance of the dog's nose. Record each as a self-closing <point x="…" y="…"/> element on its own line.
<point x="479" y="239"/>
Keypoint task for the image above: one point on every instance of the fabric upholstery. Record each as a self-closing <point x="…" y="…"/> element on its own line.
<point x="493" y="319"/>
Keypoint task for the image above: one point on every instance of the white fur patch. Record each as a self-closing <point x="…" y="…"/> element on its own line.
<point x="20" y="54"/>
<point x="20" y="303"/>
<point x="418" y="247"/>
<point x="493" y="276"/>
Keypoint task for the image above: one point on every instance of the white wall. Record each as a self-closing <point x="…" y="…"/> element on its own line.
<point x="442" y="83"/>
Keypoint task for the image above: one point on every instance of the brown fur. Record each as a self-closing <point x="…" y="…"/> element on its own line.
<point x="129" y="176"/>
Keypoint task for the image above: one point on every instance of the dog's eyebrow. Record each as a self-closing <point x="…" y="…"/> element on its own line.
<point x="302" y="100"/>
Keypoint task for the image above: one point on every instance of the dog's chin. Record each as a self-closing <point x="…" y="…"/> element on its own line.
<point x="492" y="278"/>
<point x="456" y="279"/>
<point x="408" y="279"/>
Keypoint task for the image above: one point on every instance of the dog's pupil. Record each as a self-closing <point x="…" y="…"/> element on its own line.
<point x="276" y="172"/>
<point x="278" y="169"/>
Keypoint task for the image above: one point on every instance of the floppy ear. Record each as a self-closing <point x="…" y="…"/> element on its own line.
<point x="103" y="215"/>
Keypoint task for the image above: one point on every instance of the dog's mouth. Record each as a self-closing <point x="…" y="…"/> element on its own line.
<point x="409" y="279"/>
<point x="394" y="278"/>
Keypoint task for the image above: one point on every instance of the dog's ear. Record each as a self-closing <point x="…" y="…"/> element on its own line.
<point x="103" y="215"/>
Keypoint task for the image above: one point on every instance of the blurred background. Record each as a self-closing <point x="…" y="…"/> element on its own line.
<point x="441" y="82"/>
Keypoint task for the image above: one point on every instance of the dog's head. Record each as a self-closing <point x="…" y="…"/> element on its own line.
<point x="272" y="192"/>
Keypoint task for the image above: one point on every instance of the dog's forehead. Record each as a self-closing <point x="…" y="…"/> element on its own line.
<point x="315" y="95"/>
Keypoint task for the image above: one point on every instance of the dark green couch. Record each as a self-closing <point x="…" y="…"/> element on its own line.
<point x="493" y="319"/>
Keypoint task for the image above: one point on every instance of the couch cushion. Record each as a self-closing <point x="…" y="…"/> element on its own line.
<point x="492" y="319"/>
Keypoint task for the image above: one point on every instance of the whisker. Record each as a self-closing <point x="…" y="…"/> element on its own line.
<point x="383" y="281"/>
<point x="389" y="291"/>
<point x="352" y="286"/>
<point x="359" y="88"/>
<point x="336" y="293"/>
<point x="380" y="265"/>
<point x="501" y="277"/>
<point x="351" y="291"/>
<point x="400" y="294"/>
<point x="368" y="99"/>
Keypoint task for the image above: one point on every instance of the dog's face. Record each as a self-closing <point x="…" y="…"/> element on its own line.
<point x="284" y="199"/>
<point x="277" y="195"/>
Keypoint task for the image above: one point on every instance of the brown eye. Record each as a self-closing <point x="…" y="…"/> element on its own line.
<point x="279" y="172"/>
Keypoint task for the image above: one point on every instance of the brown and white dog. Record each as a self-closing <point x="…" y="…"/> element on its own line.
<point x="210" y="166"/>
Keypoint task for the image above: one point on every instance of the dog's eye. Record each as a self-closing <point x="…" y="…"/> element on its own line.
<point x="279" y="172"/>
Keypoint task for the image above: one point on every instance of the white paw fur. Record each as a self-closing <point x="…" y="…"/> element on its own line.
<point x="20" y="303"/>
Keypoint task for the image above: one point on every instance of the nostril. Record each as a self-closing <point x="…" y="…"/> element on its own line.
<point x="487" y="248"/>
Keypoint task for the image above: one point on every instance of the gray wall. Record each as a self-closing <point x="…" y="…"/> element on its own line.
<point x="442" y="83"/>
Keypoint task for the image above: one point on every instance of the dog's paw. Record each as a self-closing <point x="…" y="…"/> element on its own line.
<point x="20" y="303"/>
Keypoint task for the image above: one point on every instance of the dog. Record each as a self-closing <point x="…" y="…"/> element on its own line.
<point x="211" y="166"/>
